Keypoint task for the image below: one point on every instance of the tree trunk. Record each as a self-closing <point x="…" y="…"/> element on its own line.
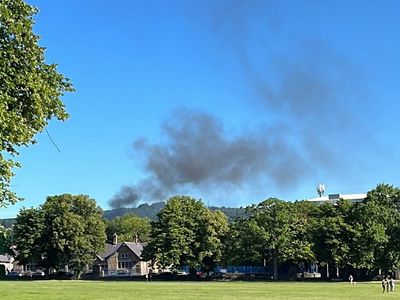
<point x="275" y="264"/>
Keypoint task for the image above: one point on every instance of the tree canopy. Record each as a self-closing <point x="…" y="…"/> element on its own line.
<point x="5" y="236"/>
<point x="128" y="228"/>
<point x="186" y="234"/>
<point x="30" y="89"/>
<point x="65" y="230"/>
<point x="275" y="231"/>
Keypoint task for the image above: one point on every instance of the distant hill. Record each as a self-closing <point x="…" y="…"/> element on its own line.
<point x="231" y="212"/>
<point x="7" y="222"/>
<point x="143" y="210"/>
<point x="150" y="211"/>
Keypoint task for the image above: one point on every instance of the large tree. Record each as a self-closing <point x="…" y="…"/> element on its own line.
<point x="333" y="234"/>
<point x="382" y="214"/>
<point x="30" y="89"/>
<point x="29" y="231"/>
<point x="65" y="230"/>
<point x="128" y="228"/>
<point x="187" y="234"/>
<point x="276" y="231"/>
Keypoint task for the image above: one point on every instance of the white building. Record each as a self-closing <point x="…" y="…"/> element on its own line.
<point x="333" y="198"/>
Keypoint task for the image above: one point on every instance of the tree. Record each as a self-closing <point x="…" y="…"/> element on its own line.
<point x="128" y="228"/>
<point x="243" y="243"/>
<point x="333" y="233"/>
<point x="186" y="234"/>
<point x="5" y="236"/>
<point x="281" y="233"/>
<point x="65" y="230"/>
<point x="381" y="213"/>
<point x="30" y="89"/>
<point x="275" y="231"/>
<point x="213" y="231"/>
<point x="29" y="228"/>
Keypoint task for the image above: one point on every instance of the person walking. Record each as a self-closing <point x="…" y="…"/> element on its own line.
<point x="387" y="284"/>
<point x="384" y="283"/>
<point x="392" y="284"/>
<point x="351" y="279"/>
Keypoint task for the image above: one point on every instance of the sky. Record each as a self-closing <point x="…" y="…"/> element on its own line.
<point x="229" y="101"/>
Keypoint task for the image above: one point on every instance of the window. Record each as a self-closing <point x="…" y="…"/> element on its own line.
<point x="125" y="265"/>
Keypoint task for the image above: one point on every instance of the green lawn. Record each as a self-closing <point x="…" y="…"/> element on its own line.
<point x="188" y="290"/>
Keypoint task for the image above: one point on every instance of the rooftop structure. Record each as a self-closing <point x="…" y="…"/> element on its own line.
<point x="333" y="198"/>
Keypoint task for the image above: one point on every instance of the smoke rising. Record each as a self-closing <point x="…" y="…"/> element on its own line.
<point x="314" y="92"/>
<point x="198" y="152"/>
<point x="127" y="196"/>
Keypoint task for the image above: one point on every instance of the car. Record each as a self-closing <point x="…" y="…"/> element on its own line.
<point x="61" y="275"/>
<point x="217" y="275"/>
<point x="38" y="273"/>
<point x="14" y="274"/>
<point x="119" y="274"/>
<point x="180" y="273"/>
<point x="122" y="274"/>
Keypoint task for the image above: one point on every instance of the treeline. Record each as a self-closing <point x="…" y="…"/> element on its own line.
<point x="348" y="236"/>
<point x="365" y="237"/>
<point x="148" y="211"/>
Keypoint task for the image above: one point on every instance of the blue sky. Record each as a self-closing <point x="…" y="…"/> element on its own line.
<point x="229" y="101"/>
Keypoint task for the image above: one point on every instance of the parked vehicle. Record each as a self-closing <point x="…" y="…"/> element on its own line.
<point x="38" y="273"/>
<point x="122" y="274"/>
<point x="61" y="275"/>
<point x="14" y="274"/>
<point x="217" y="275"/>
<point x="119" y="274"/>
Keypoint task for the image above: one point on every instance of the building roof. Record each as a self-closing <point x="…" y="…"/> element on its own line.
<point x="333" y="198"/>
<point x="110" y="249"/>
<point x="6" y="258"/>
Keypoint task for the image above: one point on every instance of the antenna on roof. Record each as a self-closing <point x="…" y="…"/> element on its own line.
<point x="321" y="189"/>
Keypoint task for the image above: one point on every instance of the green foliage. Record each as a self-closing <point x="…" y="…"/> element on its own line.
<point x="186" y="233"/>
<point x="66" y="229"/>
<point x="128" y="228"/>
<point x="29" y="230"/>
<point x="382" y="215"/>
<point x="275" y="231"/>
<point x="243" y="246"/>
<point x="30" y="89"/>
<point x="332" y="233"/>
<point x="5" y="239"/>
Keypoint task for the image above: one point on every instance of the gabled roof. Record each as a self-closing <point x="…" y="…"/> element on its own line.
<point x="110" y="249"/>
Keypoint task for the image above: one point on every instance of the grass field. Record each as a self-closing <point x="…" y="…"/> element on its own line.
<point x="189" y="290"/>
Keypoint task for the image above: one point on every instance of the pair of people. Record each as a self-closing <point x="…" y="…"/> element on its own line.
<point x="388" y="285"/>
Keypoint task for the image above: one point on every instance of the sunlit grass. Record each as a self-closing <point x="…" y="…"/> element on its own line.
<point x="189" y="290"/>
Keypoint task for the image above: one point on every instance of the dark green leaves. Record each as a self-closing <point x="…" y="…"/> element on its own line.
<point x="30" y="89"/>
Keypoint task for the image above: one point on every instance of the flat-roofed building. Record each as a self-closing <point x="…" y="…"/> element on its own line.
<point x="333" y="198"/>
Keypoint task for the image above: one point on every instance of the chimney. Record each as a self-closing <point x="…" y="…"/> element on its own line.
<point x="115" y="239"/>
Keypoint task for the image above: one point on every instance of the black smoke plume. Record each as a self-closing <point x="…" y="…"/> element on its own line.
<point x="313" y="93"/>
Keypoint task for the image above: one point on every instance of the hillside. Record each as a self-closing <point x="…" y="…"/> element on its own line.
<point x="150" y="211"/>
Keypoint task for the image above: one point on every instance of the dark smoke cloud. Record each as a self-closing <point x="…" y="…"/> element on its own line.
<point x="197" y="152"/>
<point x="126" y="196"/>
<point x="314" y="93"/>
<point x="313" y="88"/>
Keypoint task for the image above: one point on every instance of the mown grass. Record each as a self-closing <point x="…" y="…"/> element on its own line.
<point x="189" y="290"/>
